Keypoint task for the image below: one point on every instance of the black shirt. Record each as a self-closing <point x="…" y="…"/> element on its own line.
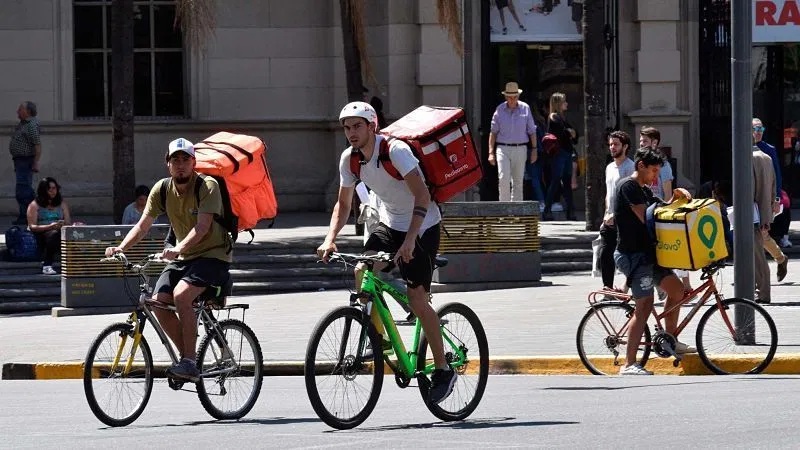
<point x="632" y="234"/>
<point x="558" y="125"/>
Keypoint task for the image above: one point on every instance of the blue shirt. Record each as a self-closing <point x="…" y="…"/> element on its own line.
<point x="773" y="154"/>
<point x="513" y="126"/>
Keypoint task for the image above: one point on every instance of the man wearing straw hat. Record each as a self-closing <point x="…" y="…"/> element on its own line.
<point x="512" y="140"/>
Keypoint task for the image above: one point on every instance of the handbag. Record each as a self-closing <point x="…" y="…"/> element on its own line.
<point x="550" y="144"/>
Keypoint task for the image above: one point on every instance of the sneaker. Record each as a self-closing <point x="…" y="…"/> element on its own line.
<point x="557" y="207"/>
<point x="634" y="369"/>
<point x="782" y="268"/>
<point x="48" y="270"/>
<point x="785" y="242"/>
<point x="442" y="382"/>
<point x="681" y="348"/>
<point x="185" y="369"/>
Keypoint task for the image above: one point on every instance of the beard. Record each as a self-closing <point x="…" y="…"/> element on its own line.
<point x="616" y="154"/>
<point x="181" y="180"/>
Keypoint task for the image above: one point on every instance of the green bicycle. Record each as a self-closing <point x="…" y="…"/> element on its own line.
<point x="344" y="376"/>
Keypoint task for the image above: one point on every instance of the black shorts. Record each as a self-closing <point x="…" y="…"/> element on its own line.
<point x="419" y="271"/>
<point x="201" y="272"/>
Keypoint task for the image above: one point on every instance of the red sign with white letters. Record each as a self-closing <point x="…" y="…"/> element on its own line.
<point x="776" y="21"/>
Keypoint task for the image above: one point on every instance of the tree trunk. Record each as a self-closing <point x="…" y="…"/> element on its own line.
<point x="122" y="105"/>
<point x="352" y="54"/>
<point x="593" y="96"/>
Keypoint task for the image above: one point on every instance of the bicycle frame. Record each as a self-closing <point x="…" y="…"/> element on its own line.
<point x="144" y="312"/>
<point x="708" y="288"/>
<point x="372" y="289"/>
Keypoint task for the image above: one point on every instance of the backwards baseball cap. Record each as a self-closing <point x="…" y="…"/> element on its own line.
<point x="180" y="145"/>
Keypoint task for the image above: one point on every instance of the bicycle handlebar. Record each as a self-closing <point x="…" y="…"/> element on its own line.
<point x="141" y="266"/>
<point x="378" y="257"/>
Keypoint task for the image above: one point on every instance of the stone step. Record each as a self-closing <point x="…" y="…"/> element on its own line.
<point x="567" y="254"/>
<point x="566" y="266"/>
<point x="30" y="292"/>
<point x="20" y="306"/>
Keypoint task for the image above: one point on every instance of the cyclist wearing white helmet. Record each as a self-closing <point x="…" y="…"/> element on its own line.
<point x="409" y="223"/>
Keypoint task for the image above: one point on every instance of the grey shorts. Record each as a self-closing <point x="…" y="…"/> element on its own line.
<point x="642" y="274"/>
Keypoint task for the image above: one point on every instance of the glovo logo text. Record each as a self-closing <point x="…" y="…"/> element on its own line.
<point x="670" y="246"/>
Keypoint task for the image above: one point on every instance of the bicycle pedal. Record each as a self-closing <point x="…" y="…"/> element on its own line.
<point x="174" y="384"/>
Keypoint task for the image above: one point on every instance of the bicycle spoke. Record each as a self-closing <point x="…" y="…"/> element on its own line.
<point x="342" y="386"/>
<point x="727" y="346"/>
<point x="232" y="393"/>
<point x="602" y="339"/>
<point x="117" y="398"/>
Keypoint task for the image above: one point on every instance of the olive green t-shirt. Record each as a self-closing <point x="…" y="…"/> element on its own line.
<point x="182" y="211"/>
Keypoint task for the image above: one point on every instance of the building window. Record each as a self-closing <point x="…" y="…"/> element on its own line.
<point x="158" y="59"/>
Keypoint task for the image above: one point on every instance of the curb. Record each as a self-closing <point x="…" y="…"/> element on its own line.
<point x="785" y="364"/>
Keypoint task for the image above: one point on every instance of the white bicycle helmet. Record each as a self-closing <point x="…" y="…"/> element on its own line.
<point x="359" y="109"/>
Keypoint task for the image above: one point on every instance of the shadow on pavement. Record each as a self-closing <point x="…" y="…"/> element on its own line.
<point x="265" y="421"/>
<point x="493" y="422"/>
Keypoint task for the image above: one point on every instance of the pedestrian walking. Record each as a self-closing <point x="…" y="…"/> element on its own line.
<point x="620" y="168"/>
<point x="512" y="142"/>
<point x="769" y="243"/>
<point x="561" y="166"/>
<point x="763" y="197"/>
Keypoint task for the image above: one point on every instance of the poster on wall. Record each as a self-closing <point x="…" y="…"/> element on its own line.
<point x="535" y="20"/>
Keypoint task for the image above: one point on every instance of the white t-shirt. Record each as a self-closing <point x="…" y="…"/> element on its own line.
<point x="615" y="173"/>
<point x="396" y="200"/>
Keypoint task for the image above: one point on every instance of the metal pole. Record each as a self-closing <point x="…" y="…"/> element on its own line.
<point x="742" y="116"/>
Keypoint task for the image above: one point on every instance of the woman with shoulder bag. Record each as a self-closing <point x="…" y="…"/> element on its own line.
<point x="561" y="160"/>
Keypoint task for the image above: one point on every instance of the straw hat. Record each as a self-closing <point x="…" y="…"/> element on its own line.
<point x="512" y="89"/>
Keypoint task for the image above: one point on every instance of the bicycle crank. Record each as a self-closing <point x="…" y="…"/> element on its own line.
<point x="664" y="345"/>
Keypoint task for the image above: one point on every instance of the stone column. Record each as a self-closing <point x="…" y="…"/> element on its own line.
<point x="660" y="64"/>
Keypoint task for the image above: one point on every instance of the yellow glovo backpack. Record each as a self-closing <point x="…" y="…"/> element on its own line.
<point x="689" y="234"/>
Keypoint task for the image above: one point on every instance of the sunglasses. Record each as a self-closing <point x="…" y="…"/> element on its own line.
<point x="759" y="129"/>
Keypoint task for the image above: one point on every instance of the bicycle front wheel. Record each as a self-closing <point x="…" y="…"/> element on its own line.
<point x="342" y="384"/>
<point x="602" y="338"/>
<point x="230" y="381"/>
<point x="737" y="340"/>
<point x="118" y="375"/>
<point x="462" y="331"/>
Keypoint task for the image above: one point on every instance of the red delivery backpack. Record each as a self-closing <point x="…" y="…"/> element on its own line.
<point x="440" y="139"/>
<point x="238" y="163"/>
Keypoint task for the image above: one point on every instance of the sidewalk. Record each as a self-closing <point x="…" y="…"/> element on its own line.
<point x="530" y="330"/>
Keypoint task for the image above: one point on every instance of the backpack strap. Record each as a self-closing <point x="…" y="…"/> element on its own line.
<point x="383" y="156"/>
<point x="170" y="240"/>
<point x="198" y="182"/>
<point x="357" y="160"/>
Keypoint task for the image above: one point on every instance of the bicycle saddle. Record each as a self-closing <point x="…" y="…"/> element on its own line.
<point x="440" y="261"/>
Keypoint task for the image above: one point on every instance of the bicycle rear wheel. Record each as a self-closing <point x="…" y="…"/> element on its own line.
<point x="601" y="342"/>
<point x="727" y="349"/>
<point x="462" y="328"/>
<point x="232" y="393"/>
<point x="342" y="386"/>
<point x="117" y="397"/>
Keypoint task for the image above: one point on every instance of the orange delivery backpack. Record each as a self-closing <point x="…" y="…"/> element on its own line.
<point x="440" y="139"/>
<point x="238" y="163"/>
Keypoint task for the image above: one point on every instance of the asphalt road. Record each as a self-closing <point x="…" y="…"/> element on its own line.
<point x="517" y="412"/>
